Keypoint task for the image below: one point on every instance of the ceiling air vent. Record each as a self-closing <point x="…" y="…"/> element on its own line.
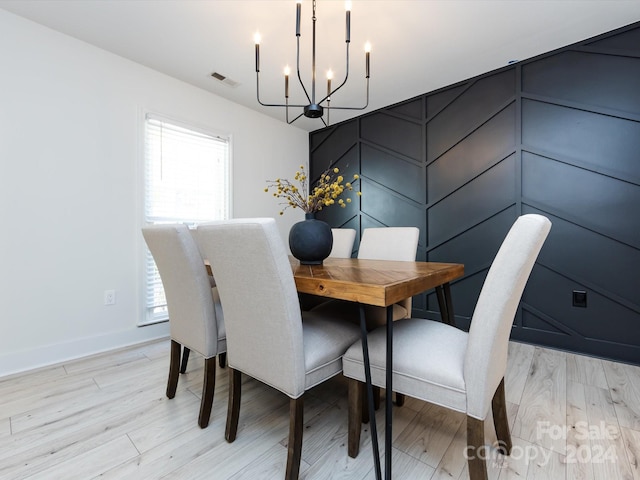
<point x="227" y="81"/>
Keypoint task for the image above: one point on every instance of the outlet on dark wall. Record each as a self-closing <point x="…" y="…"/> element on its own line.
<point x="580" y="298"/>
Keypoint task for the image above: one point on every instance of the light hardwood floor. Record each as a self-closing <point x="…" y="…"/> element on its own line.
<point x="572" y="417"/>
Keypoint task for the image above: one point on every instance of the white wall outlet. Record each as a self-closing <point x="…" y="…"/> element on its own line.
<point x="109" y="297"/>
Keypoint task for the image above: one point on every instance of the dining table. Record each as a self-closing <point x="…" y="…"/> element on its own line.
<point x="381" y="283"/>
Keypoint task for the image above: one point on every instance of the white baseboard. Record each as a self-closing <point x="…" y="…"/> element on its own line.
<point x="47" y="355"/>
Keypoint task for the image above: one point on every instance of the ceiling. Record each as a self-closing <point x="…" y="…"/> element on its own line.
<point x="417" y="45"/>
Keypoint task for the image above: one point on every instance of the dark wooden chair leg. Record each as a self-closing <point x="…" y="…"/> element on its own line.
<point x="365" y="409"/>
<point x="376" y="397"/>
<point x="356" y="397"/>
<point x="500" y="420"/>
<point x="185" y="359"/>
<point x="222" y="359"/>
<point x="476" y="451"/>
<point x="208" y="387"/>
<point x="399" y="399"/>
<point x="296" y="418"/>
<point x="174" y="369"/>
<point x="233" y="409"/>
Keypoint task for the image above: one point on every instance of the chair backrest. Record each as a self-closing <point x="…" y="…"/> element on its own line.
<point x="190" y="300"/>
<point x="343" y="239"/>
<point x="260" y="302"/>
<point x="389" y="243"/>
<point x="486" y="356"/>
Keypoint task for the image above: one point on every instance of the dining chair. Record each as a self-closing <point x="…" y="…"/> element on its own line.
<point x="185" y="350"/>
<point x="196" y="321"/>
<point x="379" y="243"/>
<point x="440" y="364"/>
<point x="343" y="239"/>
<point x="269" y="337"/>
<point x="384" y="243"/>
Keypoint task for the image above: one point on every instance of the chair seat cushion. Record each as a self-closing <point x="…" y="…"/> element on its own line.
<point x="325" y="341"/>
<point x="350" y="312"/>
<point x="428" y="361"/>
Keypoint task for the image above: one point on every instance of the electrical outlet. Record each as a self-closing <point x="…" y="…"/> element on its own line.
<point x="109" y="297"/>
<point x="580" y="298"/>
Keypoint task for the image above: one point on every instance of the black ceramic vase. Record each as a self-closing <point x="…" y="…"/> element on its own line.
<point x="310" y="240"/>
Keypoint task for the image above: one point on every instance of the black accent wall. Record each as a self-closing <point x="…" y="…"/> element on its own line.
<point x="558" y="134"/>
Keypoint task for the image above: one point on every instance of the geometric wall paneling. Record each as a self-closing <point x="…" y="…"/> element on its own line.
<point x="476" y="249"/>
<point x="624" y="330"/>
<point x="440" y="99"/>
<point x="342" y="138"/>
<point x="558" y="134"/>
<point x="603" y="143"/>
<point x="477" y="246"/>
<point x="604" y="265"/>
<point x="604" y="328"/>
<point x="621" y="42"/>
<point x="484" y="147"/>
<point x="488" y="194"/>
<point x="579" y="77"/>
<point x="399" y="174"/>
<point x="604" y="204"/>
<point x="395" y="134"/>
<point x="391" y="209"/>
<point x="480" y="101"/>
<point x="412" y="109"/>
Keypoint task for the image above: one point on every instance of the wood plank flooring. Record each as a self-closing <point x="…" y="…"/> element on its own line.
<point x="106" y="416"/>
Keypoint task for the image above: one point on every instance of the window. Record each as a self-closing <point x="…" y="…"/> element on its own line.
<point x="186" y="180"/>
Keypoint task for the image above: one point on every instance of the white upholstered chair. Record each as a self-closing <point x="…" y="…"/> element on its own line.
<point x="385" y="243"/>
<point x="343" y="239"/>
<point x="440" y="364"/>
<point x="195" y="313"/>
<point x="267" y="337"/>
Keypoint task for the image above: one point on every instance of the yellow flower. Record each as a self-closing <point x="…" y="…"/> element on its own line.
<point x="299" y="194"/>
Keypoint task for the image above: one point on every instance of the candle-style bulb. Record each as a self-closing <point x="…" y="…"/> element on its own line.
<point x="287" y="71"/>
<point x="329" y="77"/>
<point x="367" y="49"/>
<point x="347" y="6"/>
<point x="256" y="39"/>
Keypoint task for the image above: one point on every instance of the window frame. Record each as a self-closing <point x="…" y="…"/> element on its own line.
<point x="144" y="317"/>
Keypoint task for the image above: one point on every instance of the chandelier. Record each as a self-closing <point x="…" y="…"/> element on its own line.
<point x="315" y="107"/>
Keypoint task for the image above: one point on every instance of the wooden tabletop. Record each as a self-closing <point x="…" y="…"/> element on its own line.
<point x="372" y="282"/>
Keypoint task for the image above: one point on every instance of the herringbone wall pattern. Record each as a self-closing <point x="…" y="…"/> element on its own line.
<point x="558" y="135"/>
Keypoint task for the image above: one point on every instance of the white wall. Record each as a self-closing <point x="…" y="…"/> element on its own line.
<point x="70" y="147"/>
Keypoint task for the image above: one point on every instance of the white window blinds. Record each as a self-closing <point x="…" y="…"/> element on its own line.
<point x="186" y="180"/>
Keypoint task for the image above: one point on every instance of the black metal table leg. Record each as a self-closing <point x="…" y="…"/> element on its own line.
<point x="447" y="296"/>
<point x="443" y="292"/>
<point x="369" y="386"/>
<point x="388" y="396"/>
